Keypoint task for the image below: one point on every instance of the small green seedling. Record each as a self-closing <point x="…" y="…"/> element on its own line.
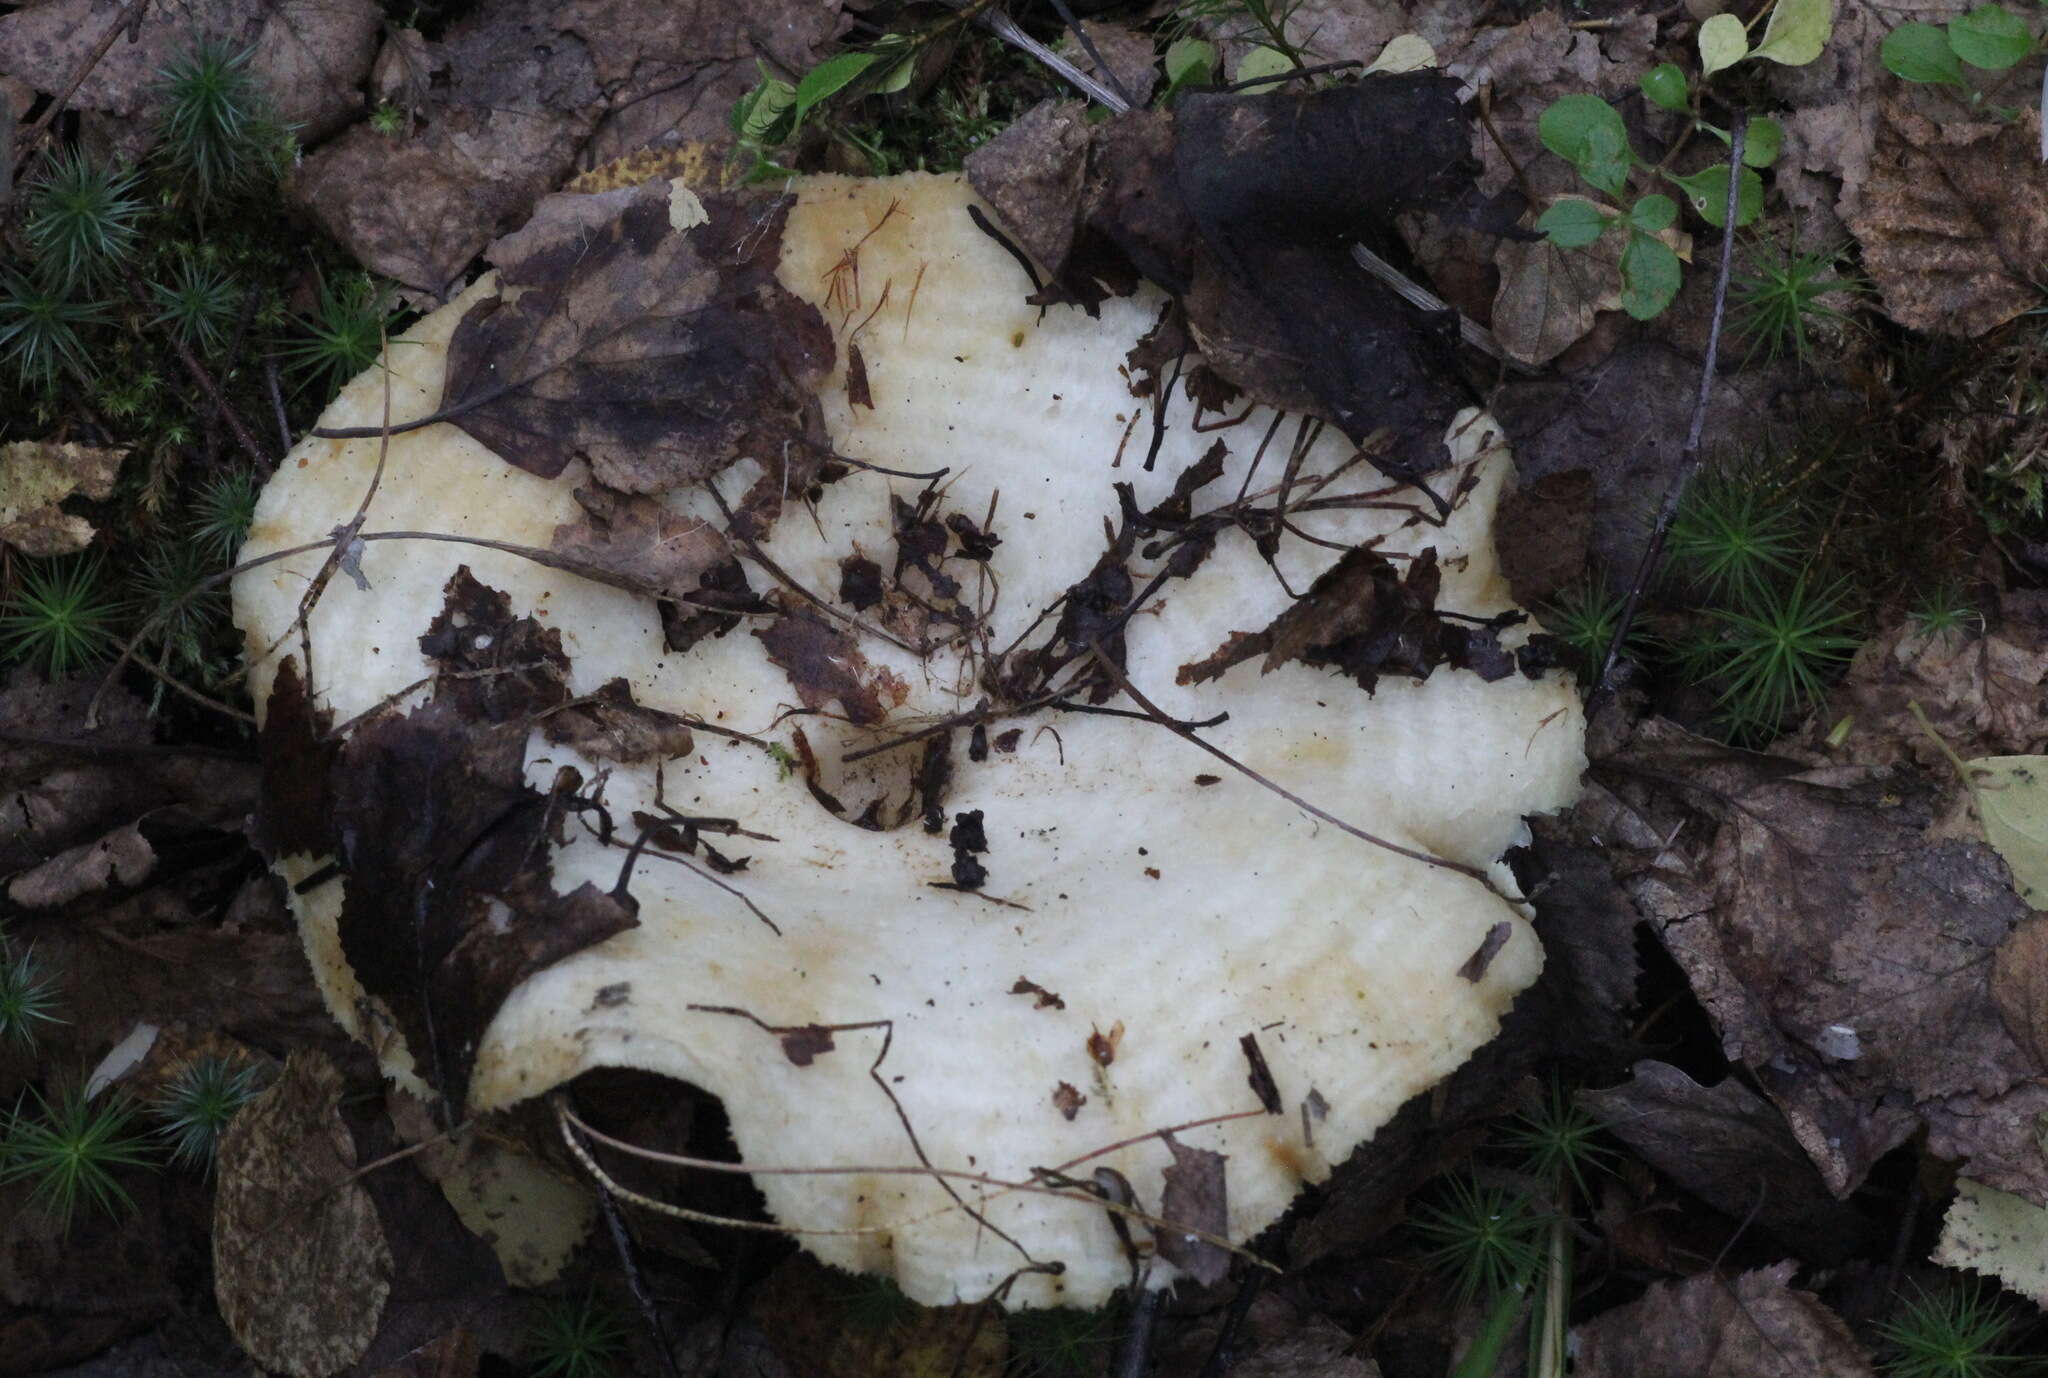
<point x="71" y="1151"/>
<point x="1989" y="38"/>
<point x="1958" y="1331"/>
<point x="346" y="332"/>
<point x="1059" y="1342"/>
<point x="196" y="1105"/>
<point x="1590" y="134"/>
<point x="1734" y="535"/>
<point x="1780" y="300"/>
<point x="1945" y="607"/>
<point x="197" y="304"/>
<point x="218" y="135"/>
<point x="222" y="513"/>
<point x="575" y="1338"/>
<point x="1585" y="617"/>
<point x="61" y="617"/>
<point x="1775" y="657"/>
<point x="83" y="219"/>
<point x="28" y="996"/>
<point x="40" y="325"/>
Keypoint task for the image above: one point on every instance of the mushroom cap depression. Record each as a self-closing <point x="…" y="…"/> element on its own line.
<point x="1109" y="927"/>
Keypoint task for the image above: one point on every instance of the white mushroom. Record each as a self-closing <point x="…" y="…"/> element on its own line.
<point x="1146" y="908"/>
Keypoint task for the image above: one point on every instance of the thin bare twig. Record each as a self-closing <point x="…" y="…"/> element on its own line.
<point x="128" y="20"/>
<point x="1689" y="457"/>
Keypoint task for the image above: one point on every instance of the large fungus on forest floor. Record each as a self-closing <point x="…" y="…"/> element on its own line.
<point x="852" y="798"/>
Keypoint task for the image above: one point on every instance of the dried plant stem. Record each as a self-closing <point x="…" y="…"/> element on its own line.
<point x="1689" y="457"/>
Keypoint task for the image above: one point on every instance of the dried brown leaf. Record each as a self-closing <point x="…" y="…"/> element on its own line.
<point x="642" y="330"/>
<point x="35" y="476"/>
<point x="1753" y="1326"/>
<point x="1952" y="223"/>
<point x="1195" y="1197"/>
<point x="1720" y="1143"/>
<point x="120" y="860"/>
<point x="301" y="1266"/>
<point x="637" y="543"/>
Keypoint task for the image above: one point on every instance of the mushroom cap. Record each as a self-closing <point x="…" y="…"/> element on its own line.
<point x="1146" y="907"/>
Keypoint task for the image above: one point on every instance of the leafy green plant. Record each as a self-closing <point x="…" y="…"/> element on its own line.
<point x="1773" y="657"/>
<point x="196" y="303"/>
<point x="1989" y="38"/>
<point x="388" y="120"/>
<point x="575" y="1338"/>
<point x="61" y="616"/>
<point x="28" y="995"/>
<point x="1779" y="301"/>
<point x="39" y="329"/>
<point x="345" y="333"/>
<point x="71" y="1150"/>
<point x="222" y="513"/>
<point x="1959" y="1331"/>
<point x="83" y="218"/>
<point x="1590" y="134"/>
<point x="219" y="137"/>
<point x="1058" y="1341"/>
<point x="1734" y="534"/>
<point x="196" y="1105"/>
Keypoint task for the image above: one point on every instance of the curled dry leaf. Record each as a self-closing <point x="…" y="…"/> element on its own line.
<point x="301" y="1266"/>
<point x="37" y="475"/>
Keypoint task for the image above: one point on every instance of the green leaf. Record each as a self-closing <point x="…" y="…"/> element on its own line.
<point x="1991" y="37"/>
<point x="761" y="114"/>
<point x="1723" y="43"/>
<point x="1263" y="62"/>
<point x="1762" y="142"/>
<point x="1797" y="31"/>
<point x="1573" y="223"/>
<point x="1707" y="190"/>
<point x="1664" y="85"/>
<point x="1653" y="213"/>
<point x="1588" y="133"/>
<point x="1189" y="60"/>
<point x="2012" y="799"/>
<point x="901" y="54"/>
<point x="1920" y="52"/>
<point x="828" y="79"/>
<point x="1650" y="275"/>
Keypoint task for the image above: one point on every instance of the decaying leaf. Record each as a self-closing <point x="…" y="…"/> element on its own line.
<point x="1952" y="237"/>
<point x="35" y="476"/>
<point x="1843" y="952"/>
<point x="1721" y="1143"/>
<point x="641" y="329"/>
<point x="121" y="859"/>
<point x="1245" y="206"/>
<point x="638" y="543"/>
<point x="448" y="903"/>
<point x="532" y="1216"/>
<point x="1752" y="1326"/>
<point x="2012" y="799"/>
<point x="2019" y="984"/>
<point x="301" y="1266"/>
<point x="1982" y="691"/>
<point x="1996" y="1233"/>
<point x="1195" y="1196"/>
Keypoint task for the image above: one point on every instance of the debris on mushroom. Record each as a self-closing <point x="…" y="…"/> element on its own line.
<point x="823" y="678"/>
